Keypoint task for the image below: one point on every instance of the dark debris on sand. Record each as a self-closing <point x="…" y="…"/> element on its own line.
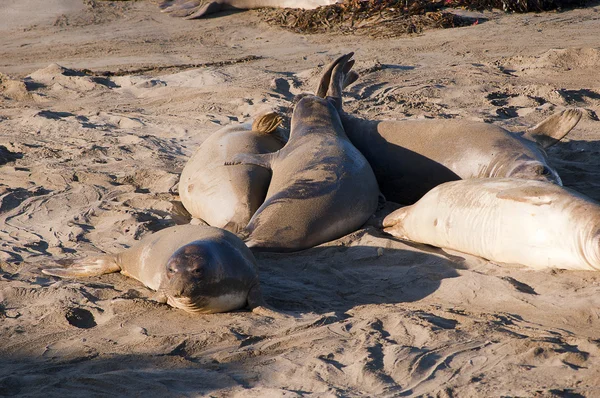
<point x="389" y="18"/>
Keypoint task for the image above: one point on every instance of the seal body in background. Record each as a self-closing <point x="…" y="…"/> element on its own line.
<point x="410" y="157"/>
<point x="534" y="223"/>
<point x="192" y="9"/>
<point x="227" y="197"/>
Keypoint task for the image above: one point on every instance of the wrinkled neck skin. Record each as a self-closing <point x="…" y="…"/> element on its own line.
<point x="591" y="247"/>
<point x="588" y="236"/>
<point x="525" y="161"/>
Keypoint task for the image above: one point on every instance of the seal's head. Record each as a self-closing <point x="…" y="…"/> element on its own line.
<point x="200" y="278"/>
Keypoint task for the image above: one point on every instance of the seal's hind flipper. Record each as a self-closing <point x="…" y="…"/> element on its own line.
<point x="267" y="122"/>
<point x="554" y="128"/>
<point x="336" y="83"/>
<point x="88" y="266"/>
<point x="262" y="160"/>
<point x="349" y="76"/>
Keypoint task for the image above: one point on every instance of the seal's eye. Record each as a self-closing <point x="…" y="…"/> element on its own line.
<point x="545" y="171"/>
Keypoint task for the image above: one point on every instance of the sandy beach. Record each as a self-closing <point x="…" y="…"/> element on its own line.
<point x="101" y="105"/>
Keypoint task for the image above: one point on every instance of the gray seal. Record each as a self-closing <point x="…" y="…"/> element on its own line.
<point x="227" y="197"/>
<point x="410" y="157"/>
<point x="196" y="268"/>
<point x="322" y="187"/>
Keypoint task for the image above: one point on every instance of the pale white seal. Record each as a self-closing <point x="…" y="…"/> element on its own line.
<point x="509" y="220"/>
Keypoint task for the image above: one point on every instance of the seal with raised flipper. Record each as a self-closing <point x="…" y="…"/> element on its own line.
<point x="196" y="268"/>
<point x="227" y="197"/>
<point x="191" y="9"/>
<point x="534" y="223"/>
<point x="409" y="157"/>
<point x="322" y="187"/>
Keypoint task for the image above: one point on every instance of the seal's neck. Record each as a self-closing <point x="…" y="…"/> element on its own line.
<point x="590" y="246"/>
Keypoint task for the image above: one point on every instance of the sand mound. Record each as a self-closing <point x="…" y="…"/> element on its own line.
<point x="59" y="79"/>
<point x="13" y="88"/>
<point x="556" y="60"/>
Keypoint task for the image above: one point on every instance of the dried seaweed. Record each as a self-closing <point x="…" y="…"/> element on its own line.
<point x="388" y="18"/>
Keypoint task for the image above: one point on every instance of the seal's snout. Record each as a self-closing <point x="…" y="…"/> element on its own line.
<point x="185" y="269"/>
<point x="184" y="264"/>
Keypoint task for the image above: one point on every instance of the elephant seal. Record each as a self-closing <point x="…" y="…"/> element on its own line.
<point x="192" y="9"/>
<point x="227" y="197"/>
<point x="321" y="187"/>
<point x="534" y="223"/>
<point x="409" y="157"/>
<point x="196" y="268"/>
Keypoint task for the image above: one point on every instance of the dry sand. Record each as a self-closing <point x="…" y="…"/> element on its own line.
<point x="91" y="163"/>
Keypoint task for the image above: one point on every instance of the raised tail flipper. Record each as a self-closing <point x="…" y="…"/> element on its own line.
<point x="554" y="128"/>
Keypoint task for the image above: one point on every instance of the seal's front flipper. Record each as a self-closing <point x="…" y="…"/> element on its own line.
<point x="198" y="221"/>
<point x="262" y="160"/>
<point x="266" y="123"/>
<point x="257" y="304"/>
<point x="88" y="266"/>
<point x="554" y="128"/>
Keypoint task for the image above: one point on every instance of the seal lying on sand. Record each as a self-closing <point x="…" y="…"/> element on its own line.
<point x="191" y="9"/>
<point x="409" y="157"/>
<point x="509" y="220"/>
<point x="322" y="188"/>
<point x="197" y="268"/>
<point x="227" y="197"/>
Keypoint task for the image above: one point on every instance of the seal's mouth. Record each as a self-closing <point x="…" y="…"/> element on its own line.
<point x="187" y="304"/>
<point x="202" y="304"/>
